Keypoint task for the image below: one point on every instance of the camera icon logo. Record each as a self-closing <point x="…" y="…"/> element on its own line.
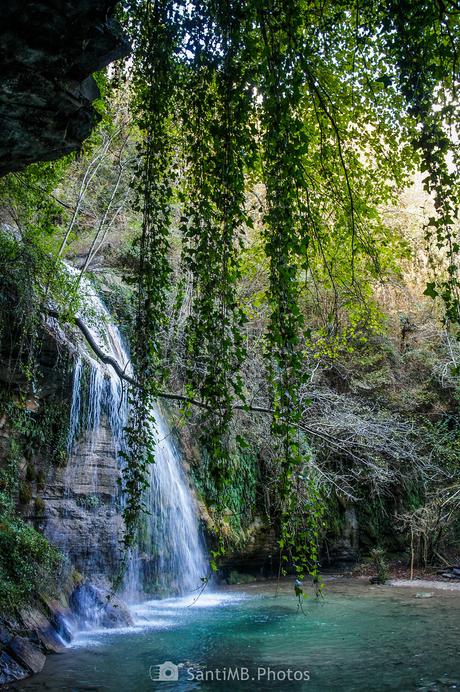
<point x="164" y="672"/>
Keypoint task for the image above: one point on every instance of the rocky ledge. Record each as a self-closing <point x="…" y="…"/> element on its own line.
<point x="450" y="572"/>
<point x="46" y="627"/>
<point x="48" y="51"/>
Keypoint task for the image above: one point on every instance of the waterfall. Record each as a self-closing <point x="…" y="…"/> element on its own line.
<point x="170" y="557"/>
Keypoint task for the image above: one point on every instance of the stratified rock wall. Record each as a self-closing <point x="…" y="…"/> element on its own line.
<point x="48" y="52"/>
<point x="81" y="513"/>
<point x="75" y="501"/>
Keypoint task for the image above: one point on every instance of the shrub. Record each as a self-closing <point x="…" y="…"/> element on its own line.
<point x="380" y="564"/>
<point x="30" y="473"/>
<point x="27" y="563"/>
<point x="41" y="478"/>
<point x="25" y="493"/>
<point x="39" y="506"/>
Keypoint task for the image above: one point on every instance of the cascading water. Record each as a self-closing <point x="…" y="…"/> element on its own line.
<point x="170" y="557"/>
<point x="82" y="513"/>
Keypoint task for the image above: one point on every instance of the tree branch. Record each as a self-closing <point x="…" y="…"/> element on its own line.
<point x="108" y="360"/>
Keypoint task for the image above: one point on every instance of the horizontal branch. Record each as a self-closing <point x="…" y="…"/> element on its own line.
<point x="104" y="357"/>
<point x="108" y="360"/>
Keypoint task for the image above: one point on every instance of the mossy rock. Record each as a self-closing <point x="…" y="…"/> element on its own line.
<point x="25" y="493"/>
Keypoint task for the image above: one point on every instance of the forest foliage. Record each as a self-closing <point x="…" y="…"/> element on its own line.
<point x="251" y="149"/>
<point x="328" y="106"/>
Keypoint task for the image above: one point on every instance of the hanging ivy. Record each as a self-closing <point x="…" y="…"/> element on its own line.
<point x="154" y="39"/>
<point x="287" y="235"/>
<point x="218" y="149"/>
<point x="295" y="95"/>
<point x="427" y="47"/>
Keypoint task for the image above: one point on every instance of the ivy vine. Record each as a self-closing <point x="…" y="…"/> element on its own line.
<point x="317" y="102"/>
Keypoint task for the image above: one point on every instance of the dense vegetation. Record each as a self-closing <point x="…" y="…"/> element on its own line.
<point x="249" y="182"/>
<point x="327" y="107"/>
<point x="29" y="566"/>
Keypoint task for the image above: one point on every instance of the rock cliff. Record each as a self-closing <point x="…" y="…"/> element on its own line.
<point x="58" y="497"/>
<point x="49" y="50"/>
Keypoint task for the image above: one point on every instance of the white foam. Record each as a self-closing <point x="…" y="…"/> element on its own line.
<point x="148" y="612"/>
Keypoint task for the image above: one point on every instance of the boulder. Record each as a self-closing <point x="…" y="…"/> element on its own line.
<point x="98" y="607"/>
<point x="5" y="634"/>
<point x="27" y="654"/>
<point x="449" y="572"/>
<point x="63" y="627"/>
<point x="36" y="621"/>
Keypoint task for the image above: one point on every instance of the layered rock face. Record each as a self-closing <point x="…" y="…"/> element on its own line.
<point x="48" y="52"/>
<point x="80" y="506"/>
<point x="343" y="551"/>
<point x="260" y="555"/>
<point x="73" y="501"/>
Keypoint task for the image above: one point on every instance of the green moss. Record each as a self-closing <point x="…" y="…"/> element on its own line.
<point x="333" y="517"/>
<point x="41" y="479"/>
<point x="239" y="499"/>
<point x="30" y="473"/>
<point x="27" y="562"/>
<point x="25" y="493"/>
<point x="376" y="525"/>
<point x="9" y="471"/>
<point x="89" y="501"/>
<point x="43" y="431"/>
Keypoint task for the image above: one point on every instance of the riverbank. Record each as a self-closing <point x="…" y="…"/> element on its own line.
<point x="398" y="570"/>
<point x="349" y="585"/>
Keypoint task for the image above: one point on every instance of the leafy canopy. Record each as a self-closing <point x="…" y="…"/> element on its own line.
<point x="328" y="106"/>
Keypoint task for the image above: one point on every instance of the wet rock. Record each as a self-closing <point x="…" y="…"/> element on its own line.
<point x="450" y="572"/>
<point x="260" y="554"/>
<point x="450" y="683"/>
<point x="36" y="621"/>
<point x="5" y="635"/>
<point x="343" y="551"/>
<point x="376" y="580"/>
<point x="117" y="614"/>
<point x="80" y="516"/>
<point x="27" y="654"/>
<point x="97" y="606"/>
<point x="10" y="670"/>
<point x="51" y="641"/>
<point x="63" y="627"/>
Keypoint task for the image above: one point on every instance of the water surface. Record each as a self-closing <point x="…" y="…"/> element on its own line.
<point x="359" y="637"/>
